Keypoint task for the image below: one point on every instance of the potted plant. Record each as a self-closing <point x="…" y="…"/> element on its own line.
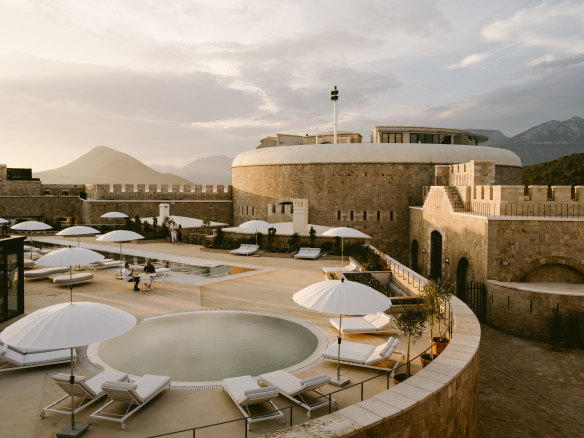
<point x="411" y="322"/>
<point x="434" y="294"/>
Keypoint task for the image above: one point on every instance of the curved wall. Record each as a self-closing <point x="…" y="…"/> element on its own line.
<point x="371" y="197"/>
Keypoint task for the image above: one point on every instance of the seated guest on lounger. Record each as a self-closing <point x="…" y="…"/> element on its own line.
<point x="149" y="268"/>
<point x="128" y="275"/>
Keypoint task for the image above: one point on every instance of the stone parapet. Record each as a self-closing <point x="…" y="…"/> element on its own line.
<point x="527" y="310"/>
<point x="159" y="192"/>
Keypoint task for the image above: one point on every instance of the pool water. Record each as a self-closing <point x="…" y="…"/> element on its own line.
<point x="209" y="346"/>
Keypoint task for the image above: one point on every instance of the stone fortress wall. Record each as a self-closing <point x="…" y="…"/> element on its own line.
<point x="371" y="197"/>
<point x="513" y="252"/>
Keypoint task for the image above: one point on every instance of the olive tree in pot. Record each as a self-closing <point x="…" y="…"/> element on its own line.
<point x="436" y="295"/>
<point x="411" y="322"/>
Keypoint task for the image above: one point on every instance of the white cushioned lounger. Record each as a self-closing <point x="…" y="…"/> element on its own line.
<point x="45" y="272"/>
<point x="351" y="267"/>
<point x="87" y="391"/>
<point x="28" y="263"/>
<point x="308" y="253"/>
<point x="135" y="394"/>
<point x="249" y="396"/>
<point x="298" y="390"/>
<point x="75" y="278"/>
<point x="245" y="249"/>
<point x="105" y="264"/>
<point x="10" y="359"/>
<point x="376" y="323"/>
<point x="365" y="355"/>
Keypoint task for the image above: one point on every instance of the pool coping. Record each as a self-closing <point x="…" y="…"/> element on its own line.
<point x="324" y="339"/>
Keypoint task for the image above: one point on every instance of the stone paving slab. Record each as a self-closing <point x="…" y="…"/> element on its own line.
<point x="528" y="390"/>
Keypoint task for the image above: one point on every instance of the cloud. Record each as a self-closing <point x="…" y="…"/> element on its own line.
<point x="474" y="60"/>
<point x="558" y="25"/>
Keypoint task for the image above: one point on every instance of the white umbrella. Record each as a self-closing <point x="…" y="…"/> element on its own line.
<point x="343" y="298"/>
<point x="343" y="232"/>
<point x="78" y="231"/>
<point x="3" y="221"/>
<point x="69" y="257"/>
<point x="114" y="215"/>
<point x="120" y="236"/>
<point x="31" y="226"/>
<point x="68" y="325"/>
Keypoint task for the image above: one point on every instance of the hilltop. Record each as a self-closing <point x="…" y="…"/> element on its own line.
<point x="564" y="171"/>
<point x="104" y="165"/>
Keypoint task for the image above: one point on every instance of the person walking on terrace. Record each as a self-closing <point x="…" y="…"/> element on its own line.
<point x="173" y="232"/>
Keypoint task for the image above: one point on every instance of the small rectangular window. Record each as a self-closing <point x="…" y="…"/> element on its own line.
<point x="253" y="211"/>
<point x="391" y="215"/>
<point x="436" y="138"/>
<point x="378" y="215"/>
<point x="364" y="215"/>
<point x="413" y="138"/>
<point x="384" y="138"/>
<point x="399" y="138"/>
<point x="283" y="209"/>
<point x="65" y="193"/>
<point x="351" y="214"/>
<point x="338" y="215"/>
<point x="47" y="192"/>
<point x="247" y="209"/>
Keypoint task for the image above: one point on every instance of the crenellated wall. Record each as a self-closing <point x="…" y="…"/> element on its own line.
<point x="159" y="192"/>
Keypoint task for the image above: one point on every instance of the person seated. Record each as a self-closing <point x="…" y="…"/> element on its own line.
<point x="129" y="276"/>
<point x="167" y="264"/>
<point x="149" y="268"/>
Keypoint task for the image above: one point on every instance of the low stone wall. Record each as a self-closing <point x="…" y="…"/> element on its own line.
<point x="522" y="310"/>
<point x="440" y="400"/>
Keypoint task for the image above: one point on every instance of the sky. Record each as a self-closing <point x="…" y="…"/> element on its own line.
<point x="171" y="81"/>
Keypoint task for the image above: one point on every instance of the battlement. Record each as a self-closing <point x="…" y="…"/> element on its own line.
<point x="99" y="192"/>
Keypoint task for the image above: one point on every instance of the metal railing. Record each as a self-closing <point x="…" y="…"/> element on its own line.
<point x="290" y="408"/>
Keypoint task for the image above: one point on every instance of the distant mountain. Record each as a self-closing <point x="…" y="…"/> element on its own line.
<point x="548" y="141"/>
<point x="103" y="165"/>
<point x="496" y="137"/>
<point x="564" y="171"/>
<point x="215" y="169"/>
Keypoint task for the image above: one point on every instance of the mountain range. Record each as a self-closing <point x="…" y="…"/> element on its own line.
<point x="544" y="142"/>
<point x="103" y="165"/>
<point x="215" y="169"/>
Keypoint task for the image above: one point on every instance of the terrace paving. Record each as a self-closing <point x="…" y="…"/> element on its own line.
<point x="26" y="392"/>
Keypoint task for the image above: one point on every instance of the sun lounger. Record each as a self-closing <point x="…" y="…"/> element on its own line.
<point x="28" y="263"/>
<point x="365" y="355"/>
<point x="299" y="390"/>
<point x="74" y="279"/>
<point x="134" y="395"/>
<point x="245" y="249"/>
<point x="351" y="267"/>
<point x="254" y="402"/>
<point x="377" y="323"/>
<point x="15" y="359"/>
<point x="87" y="392"/>
<point x="105" y="264"/>
<point x="45" y="272"/>
<point x="308" y="253"/>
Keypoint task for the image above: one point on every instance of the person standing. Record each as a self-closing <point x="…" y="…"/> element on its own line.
<point x="173" y="232"/>
<point x="179" y="234"/>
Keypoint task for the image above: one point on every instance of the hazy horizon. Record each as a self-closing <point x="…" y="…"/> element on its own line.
<point x="171" y="82"/>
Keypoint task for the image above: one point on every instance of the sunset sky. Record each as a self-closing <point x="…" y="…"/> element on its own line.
<point x="174" y="80"/>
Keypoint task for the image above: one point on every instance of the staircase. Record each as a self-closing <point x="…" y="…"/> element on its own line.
<point x="455" y="201"/>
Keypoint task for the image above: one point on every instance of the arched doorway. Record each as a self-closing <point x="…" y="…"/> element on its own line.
<point x="414" y="256"/>
<point x="461" y="278"/>
<point x="435" y="255"/>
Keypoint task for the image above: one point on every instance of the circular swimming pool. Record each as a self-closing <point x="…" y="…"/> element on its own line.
<point x="209" y="345"/>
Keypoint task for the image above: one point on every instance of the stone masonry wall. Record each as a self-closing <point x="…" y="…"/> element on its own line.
<point x="216" y="211"/>
<point x="350" y="194"/>
<point x="463" y="235"/>
<point x="518" y="246"/>
<point x="514" y="309"/>
<point x="37" y="207"/>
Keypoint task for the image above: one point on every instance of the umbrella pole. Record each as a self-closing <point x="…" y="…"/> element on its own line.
<point x="342" y="251"/>
<point x="71" y="283"/>
<point x="72" y="382"/>
<point x="339" y="380"/>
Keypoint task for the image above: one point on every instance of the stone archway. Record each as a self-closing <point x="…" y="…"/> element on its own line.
<point x="546" y="268"/>
<point x="435" y="255"/>
<point x="462" y="278"/>
<point x="414" y="256"/>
